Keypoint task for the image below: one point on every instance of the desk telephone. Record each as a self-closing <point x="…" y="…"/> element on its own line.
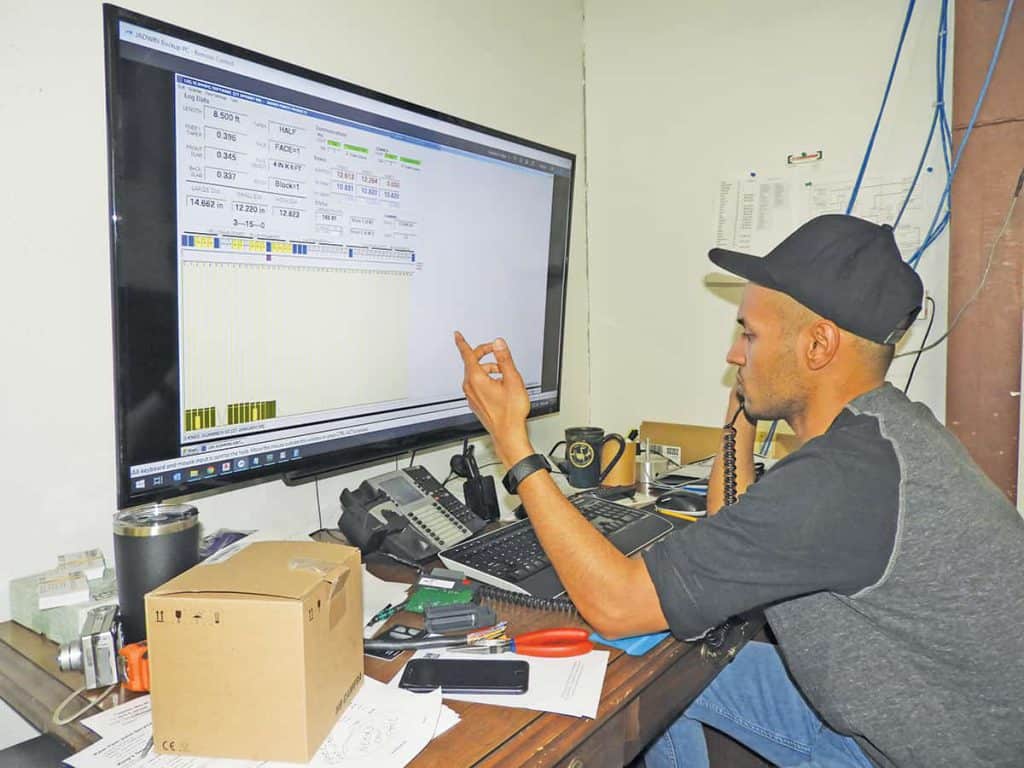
<point x="406" y="513"/>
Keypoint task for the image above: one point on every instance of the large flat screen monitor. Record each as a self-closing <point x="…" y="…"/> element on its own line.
<point x="291" y="254"/>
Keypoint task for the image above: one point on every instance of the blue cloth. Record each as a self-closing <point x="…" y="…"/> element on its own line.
<point x="637" y="645"/>
<point x="754" y="701"/>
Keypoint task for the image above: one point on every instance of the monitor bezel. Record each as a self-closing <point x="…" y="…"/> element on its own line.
<point x="419" y="437"/>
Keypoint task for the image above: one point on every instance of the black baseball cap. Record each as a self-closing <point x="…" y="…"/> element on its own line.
<point x="846" y="269"/>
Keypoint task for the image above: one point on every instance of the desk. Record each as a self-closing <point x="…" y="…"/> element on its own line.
<point x="641" y="696"/>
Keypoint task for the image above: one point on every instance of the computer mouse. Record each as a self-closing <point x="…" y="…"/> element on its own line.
<point x="681" y="501"/>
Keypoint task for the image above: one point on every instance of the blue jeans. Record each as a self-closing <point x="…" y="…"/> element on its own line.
<point x="754" y="701"/>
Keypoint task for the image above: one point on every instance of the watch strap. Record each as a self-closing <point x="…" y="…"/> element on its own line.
<point x="522" y="469"/>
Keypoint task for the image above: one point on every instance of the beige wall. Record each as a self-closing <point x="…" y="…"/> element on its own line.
<point x="679" y="93"/>
<point x="683" y="93"/>
<point x="514" y="66"/>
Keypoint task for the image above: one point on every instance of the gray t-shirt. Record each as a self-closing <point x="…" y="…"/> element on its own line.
<point x="891" y="569"/>
<point x="779" y="541"/>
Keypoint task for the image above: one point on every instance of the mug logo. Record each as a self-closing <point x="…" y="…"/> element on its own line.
<point x="581" y="454"/>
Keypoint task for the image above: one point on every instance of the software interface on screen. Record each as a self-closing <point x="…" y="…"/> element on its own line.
<point x="327" y="245"/>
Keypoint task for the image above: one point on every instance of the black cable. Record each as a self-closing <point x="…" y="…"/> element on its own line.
<point x="656" y="452"/>
<point x="397" y="559"/>
<point x="556" y="469"/>
<point x="319" y="512"/>
<point x="729" y="460"/>
<point x="984" y="275"/>
<point x="412" y="645"/>
<point x="924" y="342"/>
<point x="412" y="457"/>
<point x="452" y="475"/>
<point x="330" y="533"/>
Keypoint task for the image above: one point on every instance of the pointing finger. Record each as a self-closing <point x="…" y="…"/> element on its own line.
<point x="464" y="349"/>
<point x="472" y="354"/>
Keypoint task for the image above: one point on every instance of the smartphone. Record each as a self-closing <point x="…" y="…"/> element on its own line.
<point x="466" y="675"/>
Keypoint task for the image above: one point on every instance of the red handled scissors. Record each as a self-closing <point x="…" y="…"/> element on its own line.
<point x="564" y="641"/>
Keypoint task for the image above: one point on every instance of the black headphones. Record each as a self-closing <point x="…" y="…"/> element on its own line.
<point x="464" y="464"/>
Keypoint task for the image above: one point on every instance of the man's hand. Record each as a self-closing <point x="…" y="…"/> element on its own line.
<point x="612" y="592"/>
<point x="497" y="396"/>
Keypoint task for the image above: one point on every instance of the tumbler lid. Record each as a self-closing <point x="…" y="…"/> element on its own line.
<point x="155" y="520"/>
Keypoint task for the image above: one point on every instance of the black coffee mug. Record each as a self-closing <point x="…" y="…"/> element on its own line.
<point x="582" y="463"/>
<point x="151" y="545"/>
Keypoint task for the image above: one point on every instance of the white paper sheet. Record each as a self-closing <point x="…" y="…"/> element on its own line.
<point x="382" y="728"/>
<point x="568" y="686"/>
<point x="447" y="720"/>
<point x="754" y="214"/>
<point x="128" y="747"/>
<point x="379" y="729"/>
<point x="124" y="717"/>
<point x="377" y="595"/>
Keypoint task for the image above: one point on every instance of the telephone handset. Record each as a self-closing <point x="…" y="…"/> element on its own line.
<point x="406" y="512"/>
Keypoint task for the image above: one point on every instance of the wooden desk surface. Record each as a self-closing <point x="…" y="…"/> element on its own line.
<point x="641" y="696"/>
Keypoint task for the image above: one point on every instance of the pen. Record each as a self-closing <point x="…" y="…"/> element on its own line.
<point x="379" y="615"/>
<point x="385" y="613"/>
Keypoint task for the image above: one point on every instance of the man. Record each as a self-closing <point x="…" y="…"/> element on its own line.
<point x="888" y="564"/>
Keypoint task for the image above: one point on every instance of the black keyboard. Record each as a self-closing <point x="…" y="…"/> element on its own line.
<point x="511" y="558"/>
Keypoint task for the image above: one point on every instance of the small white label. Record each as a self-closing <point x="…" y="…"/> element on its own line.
<point x="673" y="453"/>
<point x="90" y="562"/>
<point x="57" y="588"/>
<point x="427" y="581"/>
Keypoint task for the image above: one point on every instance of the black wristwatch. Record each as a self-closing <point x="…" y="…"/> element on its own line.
<point x="522" y="469"/>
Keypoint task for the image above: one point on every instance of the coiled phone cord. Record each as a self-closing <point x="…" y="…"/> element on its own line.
<point x="735" y="628"/>
<point x="729" y="459"/>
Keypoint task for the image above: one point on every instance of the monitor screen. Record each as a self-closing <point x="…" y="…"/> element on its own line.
<point x="291" y="254"/>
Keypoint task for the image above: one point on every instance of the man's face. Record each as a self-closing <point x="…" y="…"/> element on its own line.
<point x="765" y="355"/>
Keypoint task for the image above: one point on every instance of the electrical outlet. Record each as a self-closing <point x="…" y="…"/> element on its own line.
<point x="926" y="309"/>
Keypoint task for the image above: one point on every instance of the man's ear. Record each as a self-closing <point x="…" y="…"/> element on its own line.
<point x="823" y="344"/>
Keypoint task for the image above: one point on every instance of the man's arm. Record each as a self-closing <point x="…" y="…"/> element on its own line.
<point x="614" y="593"/>
<point x="745" y="433"/>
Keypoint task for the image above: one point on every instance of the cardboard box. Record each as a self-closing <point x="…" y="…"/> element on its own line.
<point x="685" y="443"/>
<point x="257" y="655"/>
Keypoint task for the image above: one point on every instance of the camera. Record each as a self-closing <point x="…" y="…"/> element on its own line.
<point x="95" y="653"/>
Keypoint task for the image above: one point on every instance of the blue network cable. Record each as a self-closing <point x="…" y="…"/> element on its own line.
<point x="938" y="112"/>
<point x="937" y="226"/>
<point x="881" y="109"/>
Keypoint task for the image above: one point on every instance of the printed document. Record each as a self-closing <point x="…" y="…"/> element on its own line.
<point x="568" y="686"/>
<point x="383" y="728"/>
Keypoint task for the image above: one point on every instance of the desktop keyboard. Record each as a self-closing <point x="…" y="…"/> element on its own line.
<point x="511" y="557"/>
